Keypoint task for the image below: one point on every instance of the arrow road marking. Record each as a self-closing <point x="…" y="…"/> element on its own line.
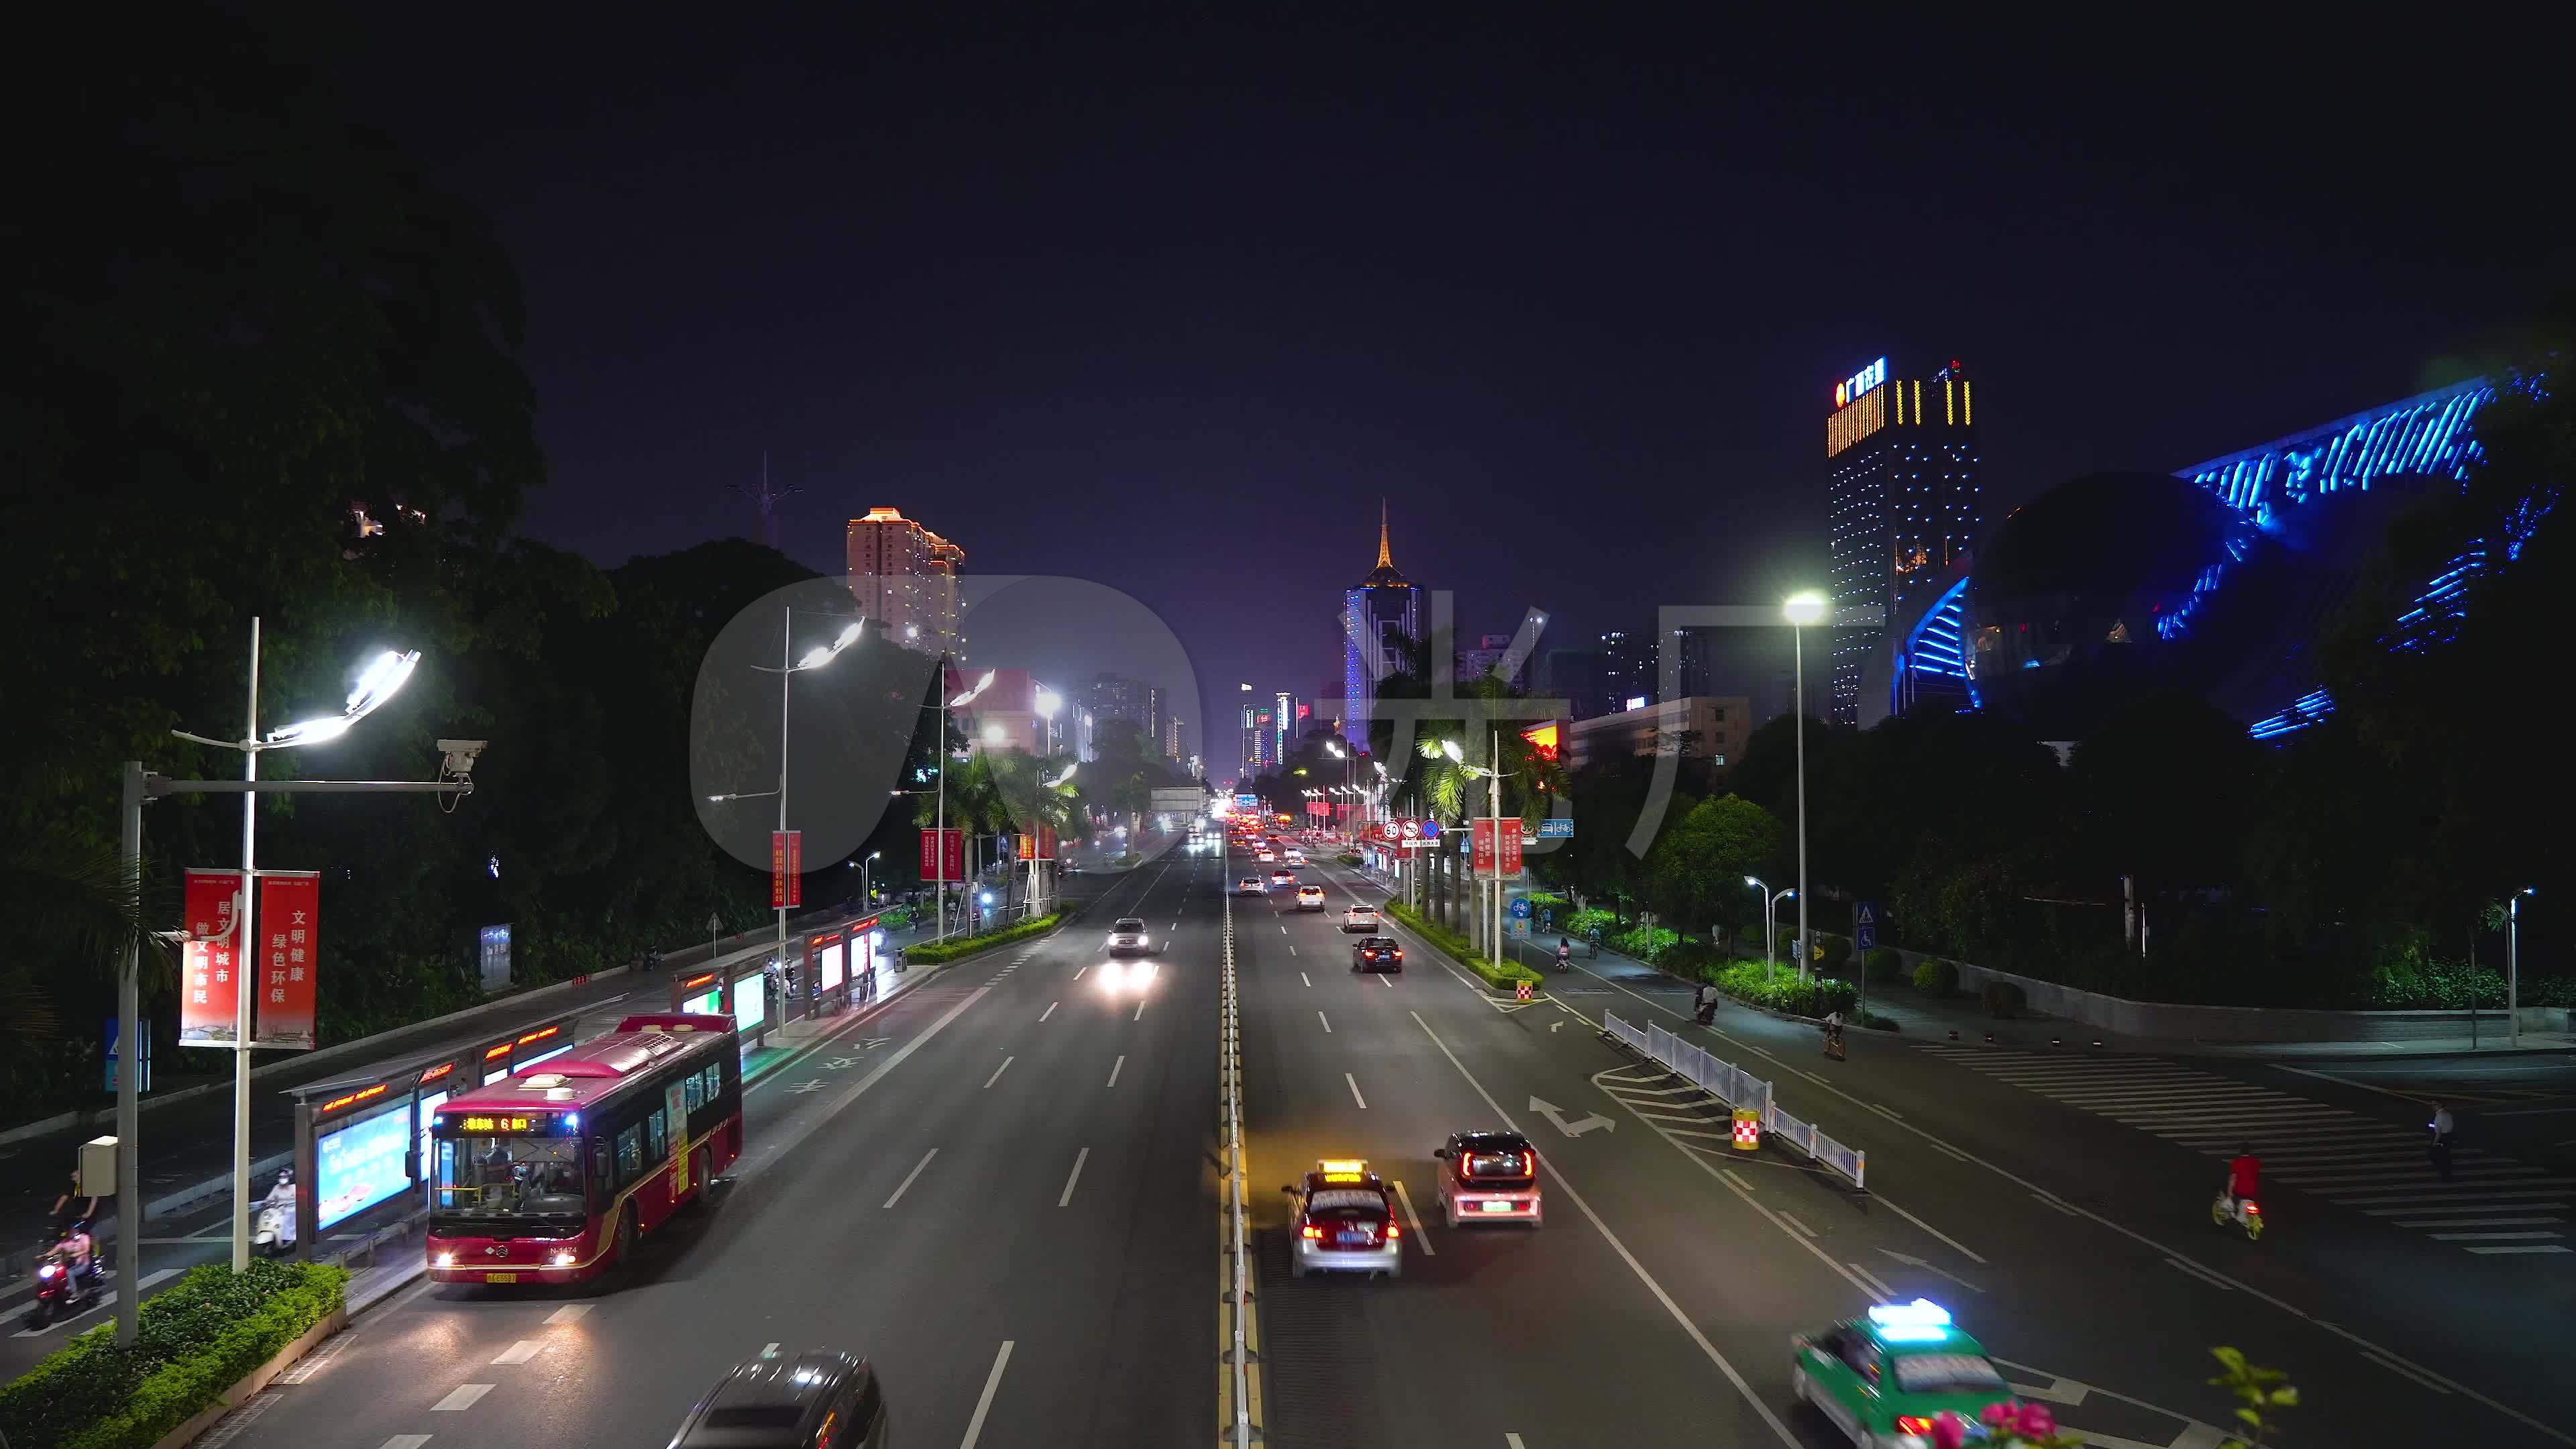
<point x="1556" y="1115"/>
<point x="1911" y="1261"/>
<point x="815" y="1085"/>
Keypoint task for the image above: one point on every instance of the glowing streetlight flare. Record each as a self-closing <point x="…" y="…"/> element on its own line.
<point x="383" y="675"/>
<point x="1804" y="608"/>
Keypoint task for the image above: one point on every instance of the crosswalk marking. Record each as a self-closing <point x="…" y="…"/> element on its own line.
<point x="2486" y="1205"/>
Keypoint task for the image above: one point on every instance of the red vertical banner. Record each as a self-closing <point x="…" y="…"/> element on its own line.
<point x="931" y="841"/>
<point x="786" y="869"/>
<point x="285" y="986"/>
<point x="1046" y="842"/>
<point x="1028" y="845"/>
<point x="207" y="985"/>
<point x="1484" y="847"/>
<point x="952" y="853"/>
<point x="1510" y="848"/>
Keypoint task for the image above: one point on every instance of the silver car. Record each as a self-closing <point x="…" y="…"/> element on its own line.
<point x="1128" y="938"/>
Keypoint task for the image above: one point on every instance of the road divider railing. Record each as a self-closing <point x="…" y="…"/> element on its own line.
<point x="1739" y="1090"/>
<point x="1239" y="1372"/>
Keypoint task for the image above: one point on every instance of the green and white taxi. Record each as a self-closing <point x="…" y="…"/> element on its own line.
<point x="1883" y="1377"/>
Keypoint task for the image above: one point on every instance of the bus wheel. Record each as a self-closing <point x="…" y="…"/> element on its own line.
<point x="626" y="1242"/>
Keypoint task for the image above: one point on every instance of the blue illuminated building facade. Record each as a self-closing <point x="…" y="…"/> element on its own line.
<point x="2303" y="515"/>
<point x="1375" y="610"/>
<point x="1902" y="511"/>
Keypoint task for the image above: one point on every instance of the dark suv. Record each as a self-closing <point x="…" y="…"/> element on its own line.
<point x="818" y="1398"/>
<point x="1377" y="953"/>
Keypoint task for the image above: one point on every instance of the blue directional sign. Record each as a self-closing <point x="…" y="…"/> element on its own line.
<point x="1865" y="925"/>
<point x="1247" y="801"/>
<point x="1521" y="907"/>
<point x="1556" y="828"/>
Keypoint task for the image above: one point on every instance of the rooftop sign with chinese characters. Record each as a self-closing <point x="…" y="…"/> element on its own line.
<point x="1860" y="382"/>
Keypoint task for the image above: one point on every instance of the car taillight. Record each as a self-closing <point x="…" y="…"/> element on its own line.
<point x="1313" y="1231"/>
<point x="1393" y="1231"/>
<point x="1913" y="1424"/>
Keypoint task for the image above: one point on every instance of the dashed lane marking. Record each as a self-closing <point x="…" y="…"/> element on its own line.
<point x="997" y="1071"/>
<point x="1116" y="1067"/>
<point x="569" y="1313"/>
<point x="519" y="1353"/>
<point x="992" y="1381"/>
<point x="1355" y="1090"/>
<point x="1421" y="1239"/>
<point x="1050" y="1011"/>
<point x="1328" y="1026"/>
<point x="901" y="1187"/>
<point x="463" y="1397"/>
<point x="1066" y="1200"/>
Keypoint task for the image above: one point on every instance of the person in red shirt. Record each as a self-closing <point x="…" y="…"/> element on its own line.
<point x="2244" y="1175"/>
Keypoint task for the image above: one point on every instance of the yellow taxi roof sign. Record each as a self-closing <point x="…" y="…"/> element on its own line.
<point x="1351" y="1165"/>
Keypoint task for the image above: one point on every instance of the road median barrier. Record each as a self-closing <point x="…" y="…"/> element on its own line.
<point x="1743" y="1093"/>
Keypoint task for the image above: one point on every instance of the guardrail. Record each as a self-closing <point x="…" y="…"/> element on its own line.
<point x="1738" y="1088"/>
<point x="1239" y="1385"/>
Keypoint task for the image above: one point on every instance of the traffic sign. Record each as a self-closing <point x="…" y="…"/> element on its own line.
<point x="1556" y="827"/>
<point x="1865" y="925"/>
<point x="1521" y="907"/>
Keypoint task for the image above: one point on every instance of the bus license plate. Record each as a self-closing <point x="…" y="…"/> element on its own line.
<point x="1497" y="1205"/>
<point x="500" y="1277"/>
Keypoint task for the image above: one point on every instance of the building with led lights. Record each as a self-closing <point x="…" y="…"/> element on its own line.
<point x="1901" y="505"/>
<point x="906" y="576"/>
<point x="1375" y="611"/>
<point x="1713" y="732"/>
<point x="2219" y="579"/>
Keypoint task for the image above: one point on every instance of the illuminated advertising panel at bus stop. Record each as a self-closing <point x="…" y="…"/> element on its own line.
<point x="362" y="1164"/>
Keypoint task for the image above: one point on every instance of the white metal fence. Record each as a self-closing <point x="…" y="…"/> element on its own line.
<point x="1738" y="1089"/>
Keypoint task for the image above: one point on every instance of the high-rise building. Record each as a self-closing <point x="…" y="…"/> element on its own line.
<point x="1287" y="723"/>
<point x="906" y="575"/>
<point x="1175" y="741"/>
<point x="1627" y="669"/>
<point x="1132" y="702"/>
<point x="1901" y="502"/>
<point x="1490" y="651"/>
<point x="1690" y="656"/>
<point x="1573" y="675"/>
<point x="1377" y="609"/>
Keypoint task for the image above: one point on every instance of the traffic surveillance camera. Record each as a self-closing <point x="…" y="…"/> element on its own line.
<point x="460" y="755"/>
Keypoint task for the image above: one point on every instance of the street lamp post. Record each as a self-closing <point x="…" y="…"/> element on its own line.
<point x="867" y="879"/>
<point x="960" y="702"/>
<point x="376" y="683"/>
<point x="1802" y="610"/>
<point x="788" y="668"/>
<point x="2512" y="966"/>
<point x="1770" y="931"/>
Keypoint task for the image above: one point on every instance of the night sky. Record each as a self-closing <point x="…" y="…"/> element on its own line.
<point x="1172" y="306"/>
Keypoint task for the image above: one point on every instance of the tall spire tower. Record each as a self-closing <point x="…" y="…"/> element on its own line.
<point x="1381" y="606"/>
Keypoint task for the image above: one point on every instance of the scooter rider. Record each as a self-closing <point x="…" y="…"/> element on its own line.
<point x="2244" y="1178"/>
<point x="77" y="1251"/>
<point x="1564" y="952"/>
<point x="282" y="1198"/>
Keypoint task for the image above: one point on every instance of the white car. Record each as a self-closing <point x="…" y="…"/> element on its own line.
<point x="1266" y="857"/>
<point x="1310" y="898"/>
<point x="1361" y="918"/>
<point x="1129" y="936"/>
<point x="1296" y="857"/>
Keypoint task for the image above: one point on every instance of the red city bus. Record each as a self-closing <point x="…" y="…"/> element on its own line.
<point x="551" y="1175"/>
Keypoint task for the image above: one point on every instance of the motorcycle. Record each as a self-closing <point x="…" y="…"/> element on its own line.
<point x="62" y="1291"/>
<point x="274" y="1232"/>
<point x="2243" y="1212"/>
<point x="1834" y="1043"/>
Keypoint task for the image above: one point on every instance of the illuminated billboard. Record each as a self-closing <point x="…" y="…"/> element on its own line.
<point x="361" y="1165"/>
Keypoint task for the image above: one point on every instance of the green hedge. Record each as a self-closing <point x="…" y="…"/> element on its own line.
<point x="1781" y="990"/>
<point x="1936" y="978"/>
<point x="1646" y="943"/>
<point x="1503" y="974"/>
<point x="1885" y="965"/>
<point x="1583" y="921"/>
<point x="193" y="1340"/>
<point x="955" y="946"/>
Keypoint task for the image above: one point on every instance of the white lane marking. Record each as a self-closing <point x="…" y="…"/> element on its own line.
<point x="2529" y="1248"/>
<point x="1050" y="1011"/>
<point x="569" y="1313"/>
<point x="1513" y="1441"/>
<point x="2203" y="1274"/>
<point x="2493" y="1237"/>
<point x="1386" y="981"/>
<point x="1328" y="1026"/>
<point x="1302" y="977"/>
<point x="1742" y="1387"/>
<point x="2464" y="1207"/>
<point x="1066" y="1200"/>
<point x="406" y="1441"/>
<point x="904" y="1185"/>
<point x="1292" y="950"/>
<point x="1140" y="1010"/>
<point x="1883" y="1112"/>
<point x="2392" y="1365"/>
<point x="1420" y="1237"/>
<point x="1883" y="1290"/>
<point x="1801" y="1227"/>
<point x="997" y="1071"/>
<point x="1355" y="1091"/>
<point x="1116" y="1067"/>
<point x="1283" y="930"/>
<point x="1077" y="973"/>
<point x="992" y="1381"/>
<point x="520" y="1352"/>
<point x="767" y="1349"/>
<point x="463" y="1397"/>
<point x="785" y="1147"/>
<point x="2479" y="1223"/>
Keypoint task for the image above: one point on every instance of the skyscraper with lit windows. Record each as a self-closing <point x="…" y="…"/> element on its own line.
<point x="1901" y="502"/>
<point x="1381" y="606"/>
<point x="906" y="575"/>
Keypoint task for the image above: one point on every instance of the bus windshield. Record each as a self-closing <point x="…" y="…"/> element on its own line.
<point x="516" y="1177"/>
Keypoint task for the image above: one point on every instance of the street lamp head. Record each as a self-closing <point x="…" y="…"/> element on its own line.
<point x="376" y="683"/>
<point x="1333" y="749"/>
<point x="1753" y="882"/>
<point x="1807" y="607"/>
<point x="1048" y="702"/>
<point x="1450" y="748"/>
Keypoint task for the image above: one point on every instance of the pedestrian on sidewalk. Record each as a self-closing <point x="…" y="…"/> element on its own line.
<point x="2441" y="1125"/>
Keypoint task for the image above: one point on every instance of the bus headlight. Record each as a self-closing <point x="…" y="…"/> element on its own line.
<point x="445" y="1260"/>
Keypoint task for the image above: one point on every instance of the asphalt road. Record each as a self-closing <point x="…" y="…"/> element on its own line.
<point x="997" y="1188"/>
<point x="2075" y="1243"/>
<point x="1001" y="1188"/>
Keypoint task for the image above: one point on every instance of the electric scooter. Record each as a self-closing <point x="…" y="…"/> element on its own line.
<point x="2243" y="1212"/>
